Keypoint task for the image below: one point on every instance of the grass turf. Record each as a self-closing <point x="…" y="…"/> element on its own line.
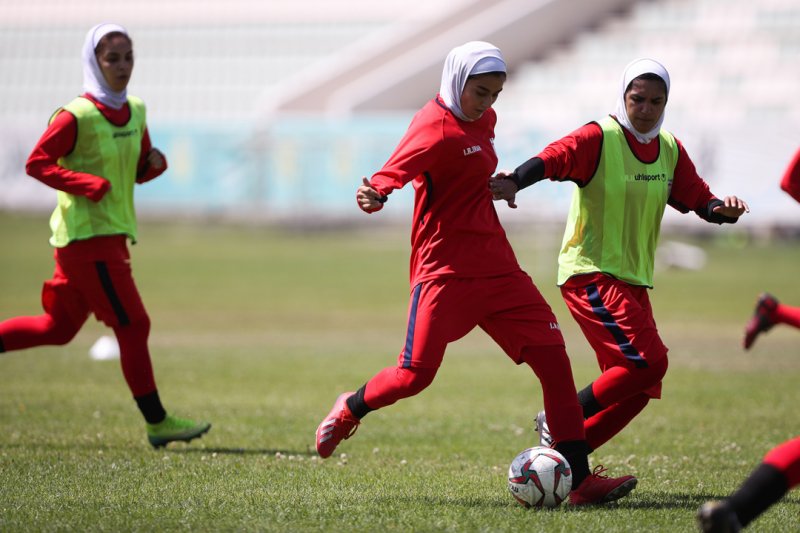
<point x="257" y="330"/>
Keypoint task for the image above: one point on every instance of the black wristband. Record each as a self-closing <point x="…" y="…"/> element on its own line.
<point x="528" y="173"/>
<point x="383" y="199"/>
<point x="717" y="218"/>
<point x="516" y="179"/>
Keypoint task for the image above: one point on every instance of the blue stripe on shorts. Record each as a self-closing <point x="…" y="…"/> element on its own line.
<point x="412" y="322"/>
<point x="611" y="325"/>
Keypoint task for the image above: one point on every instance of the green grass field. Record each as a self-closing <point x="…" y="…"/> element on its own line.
<point x="258" y="329"/>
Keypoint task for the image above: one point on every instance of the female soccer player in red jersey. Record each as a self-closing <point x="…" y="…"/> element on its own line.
<point x="94" y="150"/>
<point x="463" y="270"/>
<point x="769" y="311"/>
<point x="628" y="169"/>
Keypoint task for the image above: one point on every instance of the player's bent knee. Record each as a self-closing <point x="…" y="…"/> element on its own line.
<point x="548" y="362"/>
<point x="61" y="332"/>
<point x="416" y="379"/>
<point x="139" y="324"/>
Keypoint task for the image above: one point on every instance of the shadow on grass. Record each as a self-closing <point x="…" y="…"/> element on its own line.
<point x="451" y="502"/>
<point x="179" y="448"/>
<point x="186" y="449"/>
<point x="243" y="451"/>
<point x="669" y="501"/>
<point x="665" y="501"/>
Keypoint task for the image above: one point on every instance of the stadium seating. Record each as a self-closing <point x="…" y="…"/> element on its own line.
<point x="205" y="64"/>
<point x="741" y="56"/>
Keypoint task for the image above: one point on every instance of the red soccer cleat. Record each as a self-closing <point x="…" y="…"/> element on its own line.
<point x="761" y="320"/>
<point x="599" y="488"/>
<point x="339" y="424"/>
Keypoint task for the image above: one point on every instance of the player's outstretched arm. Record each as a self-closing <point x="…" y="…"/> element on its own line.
<point x="369" y="199"/>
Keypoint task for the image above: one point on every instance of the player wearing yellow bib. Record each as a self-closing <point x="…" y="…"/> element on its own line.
<point x="628" y="169"/>
<point x="95" y="149"/>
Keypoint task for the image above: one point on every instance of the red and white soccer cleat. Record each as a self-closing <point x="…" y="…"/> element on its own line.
<point x="599" y="488"/>
<point x="761" y="320"/>
<point x="339" y="424"/>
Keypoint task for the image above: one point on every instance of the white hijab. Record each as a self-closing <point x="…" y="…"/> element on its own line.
<point x="470" y="59"/>
<point x="94" y="82"/>
<point x="634" y="69"/>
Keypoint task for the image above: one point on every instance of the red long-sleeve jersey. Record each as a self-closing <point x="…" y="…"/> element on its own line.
<point x="791" y="178"/>
<point x="59" y="140"/>
<point x="455" y="230"/>
<point x="576" y="156"/>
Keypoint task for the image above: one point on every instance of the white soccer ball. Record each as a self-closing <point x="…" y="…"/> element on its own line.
<point x="540" y="477"/>
<point x="104" y="349"/>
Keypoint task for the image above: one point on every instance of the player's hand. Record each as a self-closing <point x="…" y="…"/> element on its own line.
<point x="732" y="207"/>
<point x="155" y="159"/>
<point x="503" y="188"/>
<point x="103" y="186"/>
<point x="369" y="200"/>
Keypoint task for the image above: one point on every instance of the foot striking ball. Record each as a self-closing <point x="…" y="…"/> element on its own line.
<point x="539" y="477"/>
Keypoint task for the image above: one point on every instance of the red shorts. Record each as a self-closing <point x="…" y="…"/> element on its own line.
<point x="94" y="276"/>
<point x="509" y="308"/>
<point x="617" y="320"/>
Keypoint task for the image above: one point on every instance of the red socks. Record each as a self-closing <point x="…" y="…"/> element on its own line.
<point x="395" y="383"/>
<point x="785" y="314"/>
<point x="610" y="421"/>
<point x="29" y="331"/>
<point x="135" y="357"/>
<point x="564" y="414"/>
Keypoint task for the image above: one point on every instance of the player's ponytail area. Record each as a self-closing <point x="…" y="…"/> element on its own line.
<point x="258" y="330"/>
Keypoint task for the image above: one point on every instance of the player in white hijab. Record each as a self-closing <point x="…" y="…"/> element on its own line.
<point x="635" y="69"/>
<point x="94" y="82"/>
<point x="95" y="149"/>
<point x="627" y="170"/>
<point x="469" y="59"/>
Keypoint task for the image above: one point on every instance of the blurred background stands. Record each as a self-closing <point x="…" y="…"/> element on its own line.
<point x="273" y="110"/>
